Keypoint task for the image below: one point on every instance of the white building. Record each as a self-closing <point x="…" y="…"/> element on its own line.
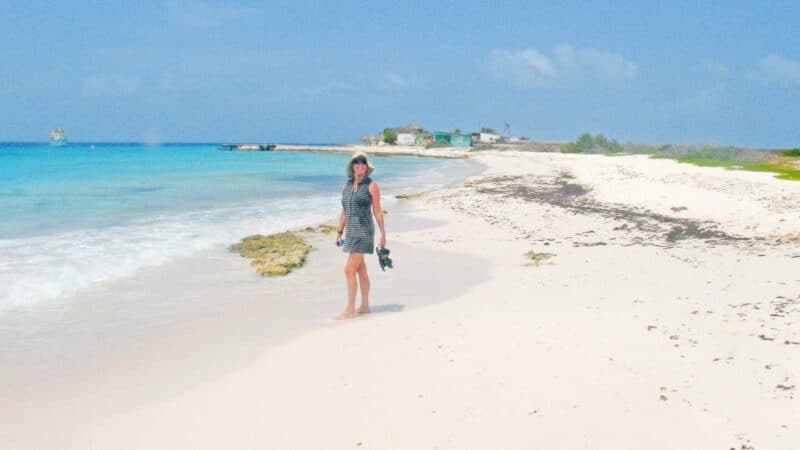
<point x="488" y="138"/>
<point x="406" y="138"/>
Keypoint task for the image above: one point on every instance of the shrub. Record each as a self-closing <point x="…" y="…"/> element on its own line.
<point x="586" y="143"/>
<point x="390" y="136"/>
<point x="438" y="145"/>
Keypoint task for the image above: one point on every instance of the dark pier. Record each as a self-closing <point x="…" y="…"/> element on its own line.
<point x="248" y="147"/>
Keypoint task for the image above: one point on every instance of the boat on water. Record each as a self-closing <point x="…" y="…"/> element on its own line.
<point x="58" y="137"/>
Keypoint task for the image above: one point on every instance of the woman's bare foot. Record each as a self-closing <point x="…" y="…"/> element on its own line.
<point x="345" y="315"/>
<point x="363" y="309"/>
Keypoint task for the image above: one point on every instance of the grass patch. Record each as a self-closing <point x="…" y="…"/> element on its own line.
<point x="785" y="168"/>
<point x="785" y="164"/>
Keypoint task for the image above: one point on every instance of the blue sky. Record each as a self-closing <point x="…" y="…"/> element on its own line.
<point x="297" y="71"/>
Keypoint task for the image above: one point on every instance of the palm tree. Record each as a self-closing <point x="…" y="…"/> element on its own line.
<point x="507" y="130"/>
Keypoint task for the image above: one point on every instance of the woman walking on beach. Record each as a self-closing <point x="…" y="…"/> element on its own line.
<point x="361" y="198"/>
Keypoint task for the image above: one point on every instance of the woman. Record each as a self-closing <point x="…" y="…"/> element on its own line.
<point x="361" y="198"/>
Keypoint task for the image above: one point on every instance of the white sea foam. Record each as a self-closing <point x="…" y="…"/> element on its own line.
<point x="48" y="267"/>
<point x="35" y="269"/>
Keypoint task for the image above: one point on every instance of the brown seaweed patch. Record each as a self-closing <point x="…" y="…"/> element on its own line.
<point x="562" y="192"/>
<point x="326" y="228"/>
<point x="322" y="228"/>
<point x="410" y="196"/>
<point x="693" y="231"/>
<point x="275" y="254"/>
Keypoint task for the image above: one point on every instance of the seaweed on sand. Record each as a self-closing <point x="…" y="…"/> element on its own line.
<point x="275" y="254"/>
<point x="409" y="196"/>
<point x="536" y="259"/>
<point x="561" y="191"/>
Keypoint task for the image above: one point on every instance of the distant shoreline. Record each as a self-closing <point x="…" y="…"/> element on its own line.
<point x="393" y="150"/>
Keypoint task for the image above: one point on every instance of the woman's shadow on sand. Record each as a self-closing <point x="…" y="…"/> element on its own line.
<point x="389" y="308"/>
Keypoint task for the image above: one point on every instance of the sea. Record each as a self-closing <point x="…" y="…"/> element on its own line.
<point x="88" y="213"/>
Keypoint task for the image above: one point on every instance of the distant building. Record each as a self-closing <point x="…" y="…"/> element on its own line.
<point x="488" y="138"/>
<point x="452" y="139"/>
<point x="411" y="134"/>
<point x="423" y="138"/>
<point x="406" y="138"/>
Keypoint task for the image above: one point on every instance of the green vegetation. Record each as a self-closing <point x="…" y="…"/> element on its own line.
<point x="586" y="143"/>
<point x="438" y="145"/>
<point x="273" y="255"/>
<point x="784" y="163"/>
<point x="390" y="136"/>
<point x="785" y="168"/>
<point x="536" y="259"/>
<point x="480" y="147"/>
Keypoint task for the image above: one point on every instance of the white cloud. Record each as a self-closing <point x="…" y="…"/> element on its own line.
<point x="716" y="68"/>
<point x="169" y="80"/>
<point x="707" y="97"/>
<point x="393" y="81"/>
<point x="531" y="68"/>
<point x="199" y="14"/>
<point x="326" y="89"/>
<point x="778" y="70"/>
<point x="111" y="84"/>
<point x="526" y="67"/>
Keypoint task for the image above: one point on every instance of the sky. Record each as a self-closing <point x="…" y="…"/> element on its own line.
<point x="328" y="72"/>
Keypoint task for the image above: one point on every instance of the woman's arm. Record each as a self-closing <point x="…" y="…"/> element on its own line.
<point x="375" y="193"/>
<point x="340" y="230"/>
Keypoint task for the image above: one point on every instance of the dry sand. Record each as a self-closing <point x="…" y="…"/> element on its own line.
<point x="662" y="312"/>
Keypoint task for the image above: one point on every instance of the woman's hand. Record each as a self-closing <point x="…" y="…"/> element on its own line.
<point x="382" y="243"/>
<point x="338" y="239"/>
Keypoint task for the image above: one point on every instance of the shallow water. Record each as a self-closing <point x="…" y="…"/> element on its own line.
<point x="87" y="213"/>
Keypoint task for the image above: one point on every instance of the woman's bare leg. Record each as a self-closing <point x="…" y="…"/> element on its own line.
<point x="354" y="261"/>
<point x="363" y="283"/>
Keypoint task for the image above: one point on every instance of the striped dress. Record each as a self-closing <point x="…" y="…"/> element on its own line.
<point x="359" y="228"/>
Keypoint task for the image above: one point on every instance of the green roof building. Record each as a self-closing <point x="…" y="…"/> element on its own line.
<point x="453" y="139"/>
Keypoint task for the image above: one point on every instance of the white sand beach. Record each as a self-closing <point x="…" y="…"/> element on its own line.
<point x="661" y="310"/>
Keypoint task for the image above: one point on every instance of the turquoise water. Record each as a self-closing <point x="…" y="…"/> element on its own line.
<point x="85" y="213"/>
